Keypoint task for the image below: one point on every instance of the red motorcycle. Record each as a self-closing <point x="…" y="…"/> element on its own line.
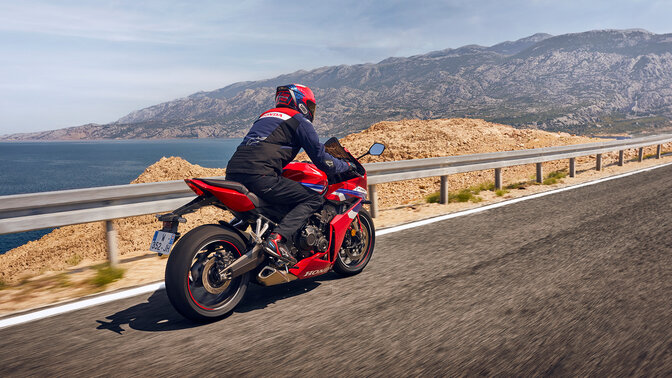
<point x="210" y="267"/>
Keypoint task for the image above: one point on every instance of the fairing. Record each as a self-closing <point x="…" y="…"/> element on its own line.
<point x="307" y="174"/>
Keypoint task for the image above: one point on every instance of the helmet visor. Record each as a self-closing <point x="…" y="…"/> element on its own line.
<point x="311" y="107"/>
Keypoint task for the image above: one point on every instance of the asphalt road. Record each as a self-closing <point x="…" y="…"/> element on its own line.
<point x="577" y="283"/>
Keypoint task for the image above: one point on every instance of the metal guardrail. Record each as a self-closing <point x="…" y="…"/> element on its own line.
<point x="26" y="212"/>
<point x="379" y="173"/>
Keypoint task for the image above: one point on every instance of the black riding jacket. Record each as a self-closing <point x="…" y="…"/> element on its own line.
<point x="274" y="141"/>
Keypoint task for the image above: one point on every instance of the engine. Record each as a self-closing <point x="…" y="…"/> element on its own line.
<point x="314" y="237"/>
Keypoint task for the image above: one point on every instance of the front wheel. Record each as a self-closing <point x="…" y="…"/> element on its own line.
<point x="357" y="247"/>
<point x="194" y="282"/>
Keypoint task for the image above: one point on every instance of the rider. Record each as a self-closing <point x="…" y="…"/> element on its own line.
<point x="273" y="141"/>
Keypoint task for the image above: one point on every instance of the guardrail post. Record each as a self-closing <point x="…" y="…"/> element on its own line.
<point x="572" y="167"/>
<point x="659" y="151"/>
<point x="620" y="158"/>
<point x="112" y="251"/>
<point x="498" y="178"/>
<point x="373" y="197"/>
<point x="598" y="162"/>
<point x="640" y="155"/>
<point x="444" y="190"/>
<point x="540" y="174"/>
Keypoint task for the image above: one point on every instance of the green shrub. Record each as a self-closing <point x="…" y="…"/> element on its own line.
<point x="482" y="187"/>
<point x="554" y="177"/>
<point x="518" y="185"/>
<point x="106" y="274"/>
<point x="433" y="198"/>
<point x="464" y="195"/>
<point x="501" y="192"/>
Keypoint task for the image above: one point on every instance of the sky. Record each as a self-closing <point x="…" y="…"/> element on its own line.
<point x="72" y="62"/>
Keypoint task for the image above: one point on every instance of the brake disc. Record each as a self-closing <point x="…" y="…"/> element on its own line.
<point x="213" y="287"/>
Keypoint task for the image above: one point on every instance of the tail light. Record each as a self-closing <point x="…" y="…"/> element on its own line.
<point x="195" y="188"/>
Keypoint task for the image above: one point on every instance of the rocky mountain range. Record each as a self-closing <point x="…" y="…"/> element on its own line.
<point x="591" y="82"/>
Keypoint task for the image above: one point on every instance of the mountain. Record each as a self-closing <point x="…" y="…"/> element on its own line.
<point x="596" y="81"/>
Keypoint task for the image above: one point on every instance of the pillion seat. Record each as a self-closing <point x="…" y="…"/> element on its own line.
<point x="236" y="186"/>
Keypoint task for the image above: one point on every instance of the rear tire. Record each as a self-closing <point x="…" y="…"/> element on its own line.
<point x="193" y="286"/>
<point x="356" y="251"/>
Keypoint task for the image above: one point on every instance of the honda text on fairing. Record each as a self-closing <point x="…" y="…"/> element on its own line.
<point x="210" y="267"/>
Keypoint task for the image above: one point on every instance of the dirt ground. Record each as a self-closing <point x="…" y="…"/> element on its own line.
<point x="70" y="255"/>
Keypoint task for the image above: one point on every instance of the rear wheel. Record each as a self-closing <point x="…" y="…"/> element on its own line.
<point x="194" y="284"/>
<point x="357" y="247"/>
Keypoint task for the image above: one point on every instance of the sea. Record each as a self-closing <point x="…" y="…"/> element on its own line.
<point x="31" y="167"/>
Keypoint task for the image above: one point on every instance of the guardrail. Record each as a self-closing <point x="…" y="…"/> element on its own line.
<point x="379" y="173"/>
<point x="26" y="212"/>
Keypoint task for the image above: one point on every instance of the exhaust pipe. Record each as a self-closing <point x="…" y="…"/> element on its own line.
<point x="269" y="276"/>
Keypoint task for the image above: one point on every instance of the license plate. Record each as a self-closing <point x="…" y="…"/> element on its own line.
<point x="162" y="242"/>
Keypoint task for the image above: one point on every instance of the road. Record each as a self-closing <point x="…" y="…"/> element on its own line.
<point x="576" y="283"/>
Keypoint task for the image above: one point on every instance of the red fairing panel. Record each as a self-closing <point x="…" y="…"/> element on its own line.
<point x="312" y="266"/>
<point x="355" y="187"/>
<point x="232" y="199"/>
<point x="307" y="174"/>
<point x="340" y="224"/>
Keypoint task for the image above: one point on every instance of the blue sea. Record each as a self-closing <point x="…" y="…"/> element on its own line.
<point x="29" y="167"/>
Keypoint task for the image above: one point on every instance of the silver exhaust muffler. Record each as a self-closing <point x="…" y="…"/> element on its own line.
<point x="269" y="276"/>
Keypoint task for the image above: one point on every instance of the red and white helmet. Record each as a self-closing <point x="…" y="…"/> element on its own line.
<point x="298" y="97"/>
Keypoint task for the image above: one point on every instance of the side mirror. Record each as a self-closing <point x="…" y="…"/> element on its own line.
<point x="376" y="149"/>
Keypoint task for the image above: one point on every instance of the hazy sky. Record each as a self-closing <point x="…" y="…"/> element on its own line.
<point x="67" y="63"/>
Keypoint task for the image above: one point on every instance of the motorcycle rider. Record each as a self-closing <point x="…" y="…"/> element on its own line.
<point x="273" y="141"/>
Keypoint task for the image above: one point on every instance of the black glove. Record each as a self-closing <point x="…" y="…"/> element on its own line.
<point x="344" y="176"/>
<point x="352" y="169"/>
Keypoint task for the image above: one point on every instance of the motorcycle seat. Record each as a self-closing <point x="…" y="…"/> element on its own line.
<point x="228" y="184"/>
<point x="238" y="187"/>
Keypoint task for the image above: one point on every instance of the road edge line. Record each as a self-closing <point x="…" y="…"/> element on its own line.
<point x="78" y="305"/>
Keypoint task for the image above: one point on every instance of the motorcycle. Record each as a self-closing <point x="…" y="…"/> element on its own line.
<point x="210" y="267"/>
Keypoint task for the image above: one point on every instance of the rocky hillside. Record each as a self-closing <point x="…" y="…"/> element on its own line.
<point x="597" y="81"/>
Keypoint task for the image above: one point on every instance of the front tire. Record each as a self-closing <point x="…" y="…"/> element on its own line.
<point x="357" y="249"/>
<point x="193" y="284"/>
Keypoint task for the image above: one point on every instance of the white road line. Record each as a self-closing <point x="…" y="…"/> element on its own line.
<point x="56" y="310"/>
<point x="60" y="309"/>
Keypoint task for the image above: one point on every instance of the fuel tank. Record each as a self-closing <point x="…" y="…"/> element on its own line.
<point x="307" y="174"/>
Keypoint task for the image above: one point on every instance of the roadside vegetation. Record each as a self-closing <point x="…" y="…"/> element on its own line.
<point x="106" y="274"/>
<point x="554" y="177"/>
<point x="471" y="194"/>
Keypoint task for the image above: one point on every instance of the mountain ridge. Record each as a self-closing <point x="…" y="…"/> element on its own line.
<point x="588" y="82"/>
